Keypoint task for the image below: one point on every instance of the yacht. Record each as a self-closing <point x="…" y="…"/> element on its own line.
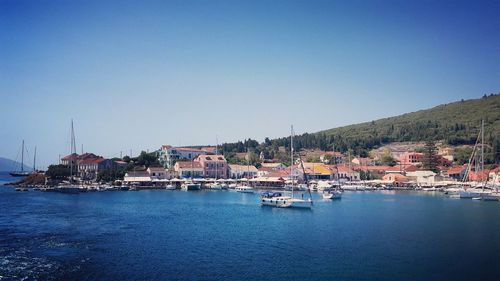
<point x="170" y="187"/>
<point x="70" y="187"/>
<point x="332" y="194"/>
<point x="21" y="172"/>
<point x="280" y="200"/>
<point x="473" y="193"/>
<point x="494" y="196"/>
<point x="277" y="199"/>
<point x="244" y="189"/>
<point x="190" y="185"/>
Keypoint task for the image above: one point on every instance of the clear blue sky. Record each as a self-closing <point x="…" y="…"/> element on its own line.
<point x="139" y="74"/>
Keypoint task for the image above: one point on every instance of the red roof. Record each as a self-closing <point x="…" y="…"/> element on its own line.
<point x="479" y="176"/>
<point x="189" y="149"/>
<point x="188" y="165"/>
<point x="277" y="174"/>
<point x="91" y="161"/>
<point x="71" y="156"/>
<point x="374" y="168"/>
<point x="455" y="170"/>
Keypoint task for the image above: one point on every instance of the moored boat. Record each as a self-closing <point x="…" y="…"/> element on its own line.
<point x="190" y="185"/>
<point x="278" y="199"/>
<point x="244" y="189"/>
<point x="332" y="194"/>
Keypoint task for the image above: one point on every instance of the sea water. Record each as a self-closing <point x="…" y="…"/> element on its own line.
<point x="223" y="235"/>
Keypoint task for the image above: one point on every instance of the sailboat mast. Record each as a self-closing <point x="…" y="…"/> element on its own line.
<point x="482" y="146"/>
<point x="291" y="156"/>
<point x="34" y="161"/>
<point x="216" y="153"/>
<point x="72" y="148"/>
<point x="22" y="157"/>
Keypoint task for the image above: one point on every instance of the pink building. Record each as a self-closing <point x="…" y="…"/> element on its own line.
<point x="214" y="166"/>
<point x="408" y="158"/>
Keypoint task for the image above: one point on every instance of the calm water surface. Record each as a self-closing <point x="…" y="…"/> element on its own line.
<point x="221" y="235"/>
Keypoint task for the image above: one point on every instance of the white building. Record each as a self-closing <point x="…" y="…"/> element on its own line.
<point x="137" y="177"/>
<point x="242" y="171"/>
<point x="423" y="177"/>
<point x="274" y="166"/>
<point x="168" y="155"/>
<point x="188" y="169"/>
<point x="157" y="173"/>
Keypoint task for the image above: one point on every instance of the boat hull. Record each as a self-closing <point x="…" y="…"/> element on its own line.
<point x="332" y="195"/>
<point x="244" y="189"/>
<point x="490" y="197"/>
<point x="68" y="190"/>
<point x="285" y="202"/>
<point x="19" y="174"/>
<point x="190" y="187"/>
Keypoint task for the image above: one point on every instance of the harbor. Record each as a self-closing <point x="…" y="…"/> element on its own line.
<point x="157" y="234"/>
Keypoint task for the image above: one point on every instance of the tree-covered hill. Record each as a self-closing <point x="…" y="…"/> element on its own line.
<point x="454" y="123"/>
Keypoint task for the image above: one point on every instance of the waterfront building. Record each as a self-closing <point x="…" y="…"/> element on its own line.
<point x="314" y="171"/>
<point x="88" y="165"/>
<point x="456" y="173"/>
<point x="242" y="171"/>
<point x="214" y="166"/>
<point x="188" y="169"/>
<point x="267" y="182"/>
<point x="138" y="177"/>
<point x="262" y="171"/>
<point x="346" y="173"/>
<point x="395" y="178"/>
<point x="424" y="177"/>
<point x="168" y="155"/>
<point x="274" y="166"/>
<point x="157" y="173"/>
<point x="89" y="168"/>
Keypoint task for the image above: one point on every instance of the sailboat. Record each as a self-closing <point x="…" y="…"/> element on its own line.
<point x="245" y="188"/>
<point x="284" y="201"/>
<point x="333" y="192"/>
<point x="70" y="187"/>
<point x="22" y="172"/>
<point x="475" y="193"/>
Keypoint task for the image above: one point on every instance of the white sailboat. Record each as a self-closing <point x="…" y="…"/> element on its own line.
<point x="334" y="192"/>
<point x="475" y="192"/>
<point x="283" y="201"/>
<point x="70" y="187"/>
<point x="21" y="172"/>
<point x="245" y="188"/>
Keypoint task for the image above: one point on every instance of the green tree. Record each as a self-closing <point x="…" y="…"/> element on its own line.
<point x="431" y="159"/>
<point x="313" y="159"/>
<point x="146" y="159"/>
<point x="110" y="175"/>
<point x="388" y="160"/>
<point x="59" y="172"/>
<point x="462" y="155"/>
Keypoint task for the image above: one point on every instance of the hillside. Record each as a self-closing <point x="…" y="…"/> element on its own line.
<point x="454" y="123"/>
<point x="9" y="165"/>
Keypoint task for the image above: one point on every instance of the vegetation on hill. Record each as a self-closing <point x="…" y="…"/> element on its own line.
<point x="141" y="162"/>
<point x="454" y="123"/>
